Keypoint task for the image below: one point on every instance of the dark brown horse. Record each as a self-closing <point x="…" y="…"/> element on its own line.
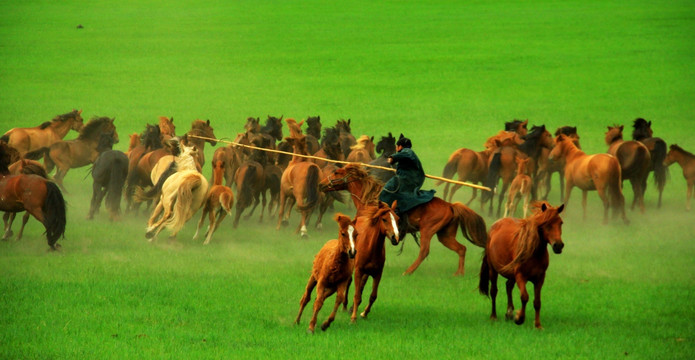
<point x="347" y="140"/>
<point x="374" y="224"/>
<point x="434" y="217"/>
<point x="686" y="160"/>
<point x="385" y="148"/>
<point x="331" y="272"/>
<point x="517" y="250"/>
<point x="70" y="154"/>
<point x="313" y="134"/>
<point x="138" y="176"/>
<point x="657" y="148"/>
<point x="27" y="167"/>
<point x="26" y="140"/>
<point x="600" y="172"/>
<point x="203" y="129"/>
<point x="34" y="194"/>
<point x="109" y="174"/>
<point x="635" y="162"/>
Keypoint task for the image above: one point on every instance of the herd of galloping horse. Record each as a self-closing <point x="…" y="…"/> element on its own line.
<point x="315" y="167"/>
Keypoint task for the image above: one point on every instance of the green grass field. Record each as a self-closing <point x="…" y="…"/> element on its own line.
<point x="448" y="74"/>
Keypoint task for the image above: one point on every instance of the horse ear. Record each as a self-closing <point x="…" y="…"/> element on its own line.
<point x="208" y="122"/>
<point x="649" y="123"/>
<point x="559" y="209"/>
<point x="372" y="139"/>
<point x="79" y="112"/>
<point x="544" y="207"/>
<point x="395" y="203"/>
<point x="401" y="136"/>
<point x="621" y="127"/>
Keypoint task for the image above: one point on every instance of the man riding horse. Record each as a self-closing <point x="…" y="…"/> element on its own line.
<point x="405" y="186"/>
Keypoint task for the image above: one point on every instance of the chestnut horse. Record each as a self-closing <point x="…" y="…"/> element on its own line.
<point x="331" y="272"/>
<point x="27" y="167"/>
<point x="29" y="139"/>
<point x="34" y="194"/>
<point x="635" y="162"/>
<point x="217" y="205"/>
<point x="657" y="148"/>
<point x="687" y="162"/>
<point x="167" y="127"/>
<point x="520" y="188"/>
<point x="70" y="154"/>
<point x="546" y="168"/>
<point x="517" y="249"/>
<point x="200" y="128"/>
<point x="434" y="217"/>
<point x="374" y="224"/>
<point x="299" y="185"/>
<point x="470" y="166"/>
<point x="600" y="172"/>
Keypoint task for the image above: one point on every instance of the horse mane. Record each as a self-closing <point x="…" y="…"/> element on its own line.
<point x="642" y="128"/>
<point x="66" y="116"/>
<point x="513" y="125"/>
<point x="614" y="134"/>
<point x="531" y="139"/>
<point x="94" y="127"/>
<point x="566" y="130"/>
<point x="295" y="127"/>
<point x="371" y="187"/>
<point x="361" y="143"/>
<point x="45" y="125"/>
<point x="343" y="126"/>
<point x="273" y="127"/>
<point x="527" y="235"/>
<point x="675" y="147"/>
<point x="5" y="158"/>
<point x="387" y="145"/>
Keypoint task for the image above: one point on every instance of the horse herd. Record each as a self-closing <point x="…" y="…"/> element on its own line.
<point x="305" y="169"/>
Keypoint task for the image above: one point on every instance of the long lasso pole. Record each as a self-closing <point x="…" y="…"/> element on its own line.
<point x="339" y="161"/>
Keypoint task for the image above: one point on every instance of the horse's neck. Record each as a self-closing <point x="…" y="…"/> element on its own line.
<point x="185" y="162"/>
<point x="61" y="128"/>
<point x="573" y="152"/>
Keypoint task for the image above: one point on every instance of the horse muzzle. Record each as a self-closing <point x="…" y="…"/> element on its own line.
<point x="394" y="239"/>
<point x="557" y="247"/>
<point x="352" y="253"/>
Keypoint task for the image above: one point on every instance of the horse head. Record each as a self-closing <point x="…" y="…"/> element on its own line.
<point x="347" y="234"/>
<point x="387" y="145"/>
<point x="273" y="127"/>
<point x="551" y="226"/>
<point x="614" y="133"/>
<point x="562" y="143"/>
<point x="77" y="120"/>
<point x="571" y="132"/>
<point x="203" y="128"/>
<point x="387" y="221"/>
<point x="313" y="126"/>
<point x="642" y="129"/>
<point x="336" y="181"/>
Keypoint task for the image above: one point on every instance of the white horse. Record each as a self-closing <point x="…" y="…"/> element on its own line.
<point x="183" y="193"/>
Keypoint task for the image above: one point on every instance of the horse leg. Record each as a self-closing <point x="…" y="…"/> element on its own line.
<point x="585" y="194"/>
<point x="454" y="189"/>
<point x="97" y="196"/>
<point x="425" y="239"/>
<point x="493" y="291"/>
<point x="360" y="281"/>
<point x="25" y="218"/>
<point x="154" y="229"/>
<point x="521" y="314"/>
<point x="474" y="193"/>
<point x="322" y="293"/>
<point x="509" y="287"/>
<point x="527" y="200"/>
<point x="447" y="237"/>
<point x="281" y="211"/>
<point x="689" y="194"/>
<point x="339" y="298"/>
<point x="372" y="298"/>
<point x="8" y="218"/>
<point x="220" y="215"/>
<point x="537" y="285"/>
<point x="205" y="211"/>
<point x="305" y="298"/>
<point x="505" y="186"/>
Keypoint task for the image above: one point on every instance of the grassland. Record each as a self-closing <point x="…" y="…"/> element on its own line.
<point x="445" y="73"/>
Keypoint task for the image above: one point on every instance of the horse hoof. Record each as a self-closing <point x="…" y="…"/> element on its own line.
<point x="305" y="236"/>
<point x="324" y="327"/>
<point x="519" y="319"/>
<point x="149" y="235"/>
<point x="310" y="331"/>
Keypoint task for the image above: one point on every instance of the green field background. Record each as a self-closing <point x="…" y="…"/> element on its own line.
<point x="448" y="74"/>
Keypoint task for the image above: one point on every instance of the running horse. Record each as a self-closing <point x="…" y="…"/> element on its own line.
<point x="38" y="196"/>
<point x="517" y="249"/>
<point x="109" y="173"/>
<point x="635" y="162"/>
<point x="600" y="172"/>
<point x="26" y="140"/>
<point x="434" y="217"/>
<point x="657" y="148"/>
<point x="686" y="160"/>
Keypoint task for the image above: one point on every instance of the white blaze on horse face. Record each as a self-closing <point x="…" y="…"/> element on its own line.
<point x="394" y="225"/>
<point x="351" y="230"/>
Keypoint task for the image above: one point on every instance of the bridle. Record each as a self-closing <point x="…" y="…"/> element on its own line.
<point x="348" y="178"/>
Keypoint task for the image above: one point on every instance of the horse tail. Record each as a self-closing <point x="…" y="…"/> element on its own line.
<point x="184" y="202"/>
<point x="615" y="185"/>
<point x="245" y="189"/>
<point x="493" y="176"/>
<point x="226" y="201"/>
<point x="311" y="191"/>
<point x="152" y="193"/>
<point x="119" y="172"/>
<point x="53" y="213"/>
<point x="658" y="156"/>
<point x="450" y="167"/>
<point x="484" y="282"/>
<point x="472" y="225"/>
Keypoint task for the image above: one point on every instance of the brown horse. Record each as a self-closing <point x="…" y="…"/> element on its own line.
<point x="217" y="205"/>
<point x="374" y="224"/>
<point x="546" y="168"/>
<point x="313" y="134"/>
<point x="133" y="142"/>
<point x="34" y="194"/>
<point x="26" y="140"/>
<point x="27" y="167"/>
<point x="347" y="140"/>
<point x="635" y="162"/>
<point x="200" y="128"/>
<point x="600" y="172"/>
<point x="331" y="272"/>
<point x="434" y="217"/>
<point x="70" y="154"/>
<point x="167" y="127"/>
<point x="657" y="148"/>
<point x="520" y="188"/>
<point x="299" y="185"/>
<point x="362" y="151"/>
<point x="470" y="166"/>
<point x="687" y="162"/>
<point x="517" y="249"/>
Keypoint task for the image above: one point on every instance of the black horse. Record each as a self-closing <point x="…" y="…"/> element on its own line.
<point x="109" y="172"/>
<point x="657" y="149"/>
<point x="385" y="147"/>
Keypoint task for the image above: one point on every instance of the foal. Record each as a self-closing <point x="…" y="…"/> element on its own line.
<point x="520" y="188"/>
<point x="217" y="206"/>
<point x="332" y="272"/>
<point x="687" y="162"/>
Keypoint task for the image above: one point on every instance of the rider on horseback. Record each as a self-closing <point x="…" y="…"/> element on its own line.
<point x="405" y="186"/>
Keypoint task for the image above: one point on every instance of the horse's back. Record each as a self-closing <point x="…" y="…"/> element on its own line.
<point x="634" y="159"/>
<point x="500" y="247"/>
